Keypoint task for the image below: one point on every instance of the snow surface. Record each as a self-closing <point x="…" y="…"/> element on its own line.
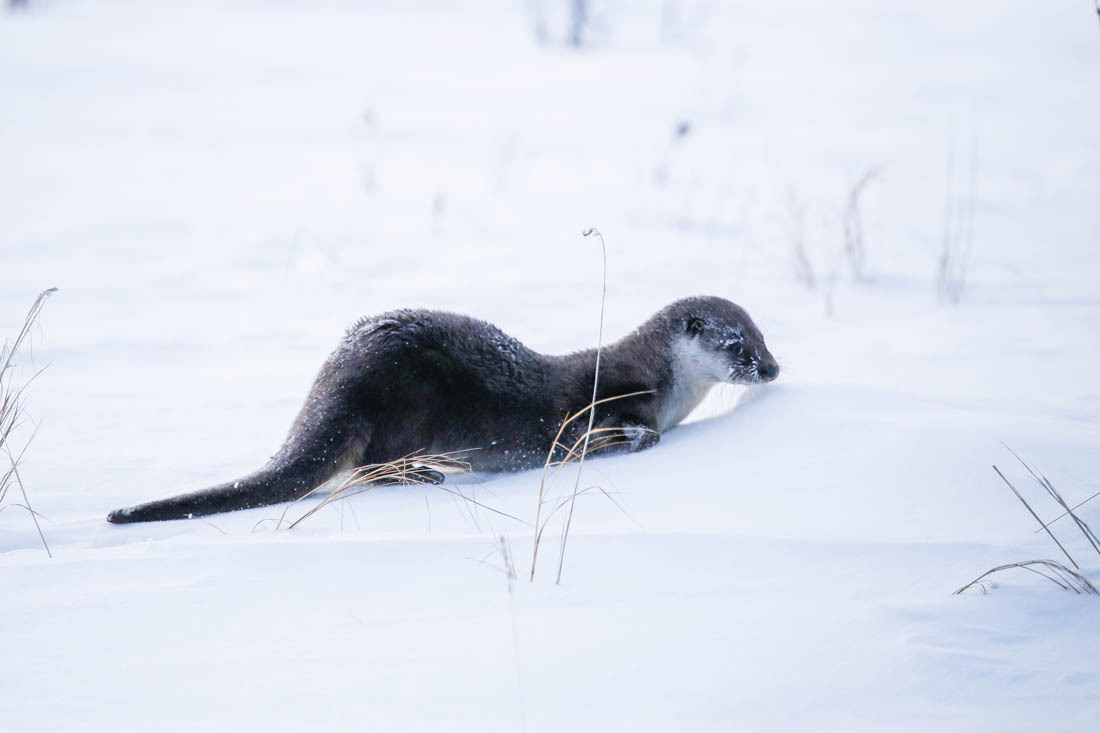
<point x="218" y="189"/>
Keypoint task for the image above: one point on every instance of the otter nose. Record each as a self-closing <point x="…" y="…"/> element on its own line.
<point x="768" y="371"/>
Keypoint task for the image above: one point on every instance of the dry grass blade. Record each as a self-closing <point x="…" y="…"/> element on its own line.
<point x="1054" y="494"/>
<point x="504" y="547"/>
<point x="8" y="352"/>
<point x="1081" y="524"/>
<point x="475" y="502"/>
<point x="25" y="508"/>
<point x="405" y="470"/>
<point x="207" y="521"/>
<point x="26" y="499"/>
<point x="1061" y="576"/>
<point x="560" y="502"/>
<point x="1040" y="521"/>
<point x="1075" y="507"/>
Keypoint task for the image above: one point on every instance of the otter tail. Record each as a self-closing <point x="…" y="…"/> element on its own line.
<point x="324" y="439"/>
<point x="272" y="484"/>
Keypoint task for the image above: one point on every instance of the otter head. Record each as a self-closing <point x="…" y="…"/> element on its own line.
<point x="718" y="342"/>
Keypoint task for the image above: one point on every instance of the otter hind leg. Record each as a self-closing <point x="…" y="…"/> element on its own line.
<point x="413" y="476"/>
<point x="427" y="475"/>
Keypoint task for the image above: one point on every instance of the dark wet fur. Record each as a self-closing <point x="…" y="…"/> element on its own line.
<point x="435" y="382"/>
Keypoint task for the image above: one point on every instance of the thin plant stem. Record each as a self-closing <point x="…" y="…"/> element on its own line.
<point x="592" y="412"/>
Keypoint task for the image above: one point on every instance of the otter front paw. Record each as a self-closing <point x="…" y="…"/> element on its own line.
<point x="639" y="437"/>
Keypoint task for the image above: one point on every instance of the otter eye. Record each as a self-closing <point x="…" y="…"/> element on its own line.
<point x="738" y="349"/>
<point x="695" y="326"/>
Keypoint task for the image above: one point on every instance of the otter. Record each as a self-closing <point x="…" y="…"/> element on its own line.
<point x="417" y="380"/>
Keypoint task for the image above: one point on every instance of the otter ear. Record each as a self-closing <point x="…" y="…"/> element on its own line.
<point x="695" y="326"/>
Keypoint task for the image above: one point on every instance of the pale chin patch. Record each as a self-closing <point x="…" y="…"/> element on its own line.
<point x="697" y="370"/>
<point x="699" y="365"/>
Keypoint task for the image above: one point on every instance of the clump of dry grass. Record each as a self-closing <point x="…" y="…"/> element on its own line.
<point x="1057" y="573"/>
<point x="12" y="415"/>
<point x="1054" y="494"/>
<point x="591" y="441"/>
<point x="410" y="469"/>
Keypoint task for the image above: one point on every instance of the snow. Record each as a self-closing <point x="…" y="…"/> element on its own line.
<point x="220" y="189"/>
